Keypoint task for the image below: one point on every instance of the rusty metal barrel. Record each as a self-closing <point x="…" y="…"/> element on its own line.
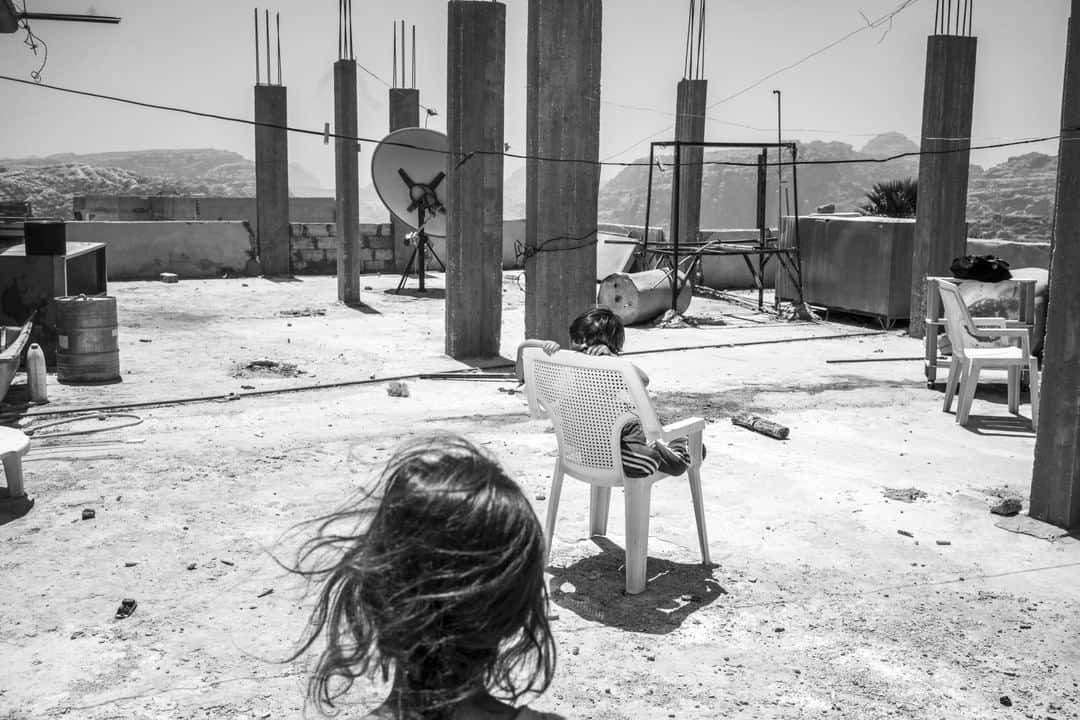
<point x="642" y="296"/>
<point x="87" y="350"/>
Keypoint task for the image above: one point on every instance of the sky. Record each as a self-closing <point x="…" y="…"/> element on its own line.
<point x="200" y="54"/>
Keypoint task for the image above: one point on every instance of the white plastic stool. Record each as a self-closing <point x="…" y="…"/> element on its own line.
<point x="13" y="445"/>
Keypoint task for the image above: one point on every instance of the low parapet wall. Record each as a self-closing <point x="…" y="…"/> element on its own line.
<point x="143" y="250"/>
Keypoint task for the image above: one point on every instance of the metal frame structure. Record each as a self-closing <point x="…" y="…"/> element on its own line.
<point x="764" y="248"/>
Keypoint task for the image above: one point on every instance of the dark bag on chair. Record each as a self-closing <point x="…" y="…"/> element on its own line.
<point x="984" y="268"/>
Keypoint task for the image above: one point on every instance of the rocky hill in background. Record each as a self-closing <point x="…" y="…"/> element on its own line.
<point x="1012" y="201"/>
<point x="50" y="182"/>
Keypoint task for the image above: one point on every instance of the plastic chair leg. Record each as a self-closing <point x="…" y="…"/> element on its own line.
<point x="1014" y="389"/>
<point x="1033" y="385"/>
<point x="553" y="507"/>
<point x="694" y="474"/>
<point x="599" y="502"/>
<point x="13" y="475"/>
<point x="951" y="383"/>
<point x="968" y="383"/>
<point x="638" y="497"/>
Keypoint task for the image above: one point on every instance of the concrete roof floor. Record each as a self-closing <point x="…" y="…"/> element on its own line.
<point x="829" y="598"/>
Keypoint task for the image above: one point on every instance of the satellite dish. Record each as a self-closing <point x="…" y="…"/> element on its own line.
<point x="408" y="170"/>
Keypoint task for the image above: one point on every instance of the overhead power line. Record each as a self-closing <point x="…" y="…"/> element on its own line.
<point x="884" y="20"/>
<point x="325" y="134"/>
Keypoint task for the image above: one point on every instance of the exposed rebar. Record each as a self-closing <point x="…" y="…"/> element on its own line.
<point x="278" y="19"/>
<point x="413" y="57"/>
<point x="701" y="42"/>
<point x="258" y="62"/>
<point x="689" y="40"/>
<point x="269" y="80"/>
<point x="394" y="79"/>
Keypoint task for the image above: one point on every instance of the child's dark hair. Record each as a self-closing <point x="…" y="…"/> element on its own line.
<point x="437" y="579"/>
<point x="598" y="326"/>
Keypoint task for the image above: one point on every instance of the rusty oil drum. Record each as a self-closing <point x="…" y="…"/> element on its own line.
<point x="87" y="350"/>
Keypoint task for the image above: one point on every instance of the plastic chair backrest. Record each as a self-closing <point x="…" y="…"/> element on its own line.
<point x="589" y="400"/>
<point x="958" y="323"/>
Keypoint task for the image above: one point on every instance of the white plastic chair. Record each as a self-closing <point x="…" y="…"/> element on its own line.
<point x="589" y="400"/>
<point x="982" y="343"/>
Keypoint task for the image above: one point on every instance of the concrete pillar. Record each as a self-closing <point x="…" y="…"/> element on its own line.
<point x="941" y="216"/>
<point x="404" y="113"/>
<point x="475" y="79"/>
<point x="1055" y="483"/>
<point x="690" y="127"/>
<point x="563" y="117"/>
<point x="272" y="179"/>
<point x="346" y="182"/>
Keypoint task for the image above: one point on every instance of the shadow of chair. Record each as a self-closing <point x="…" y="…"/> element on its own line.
<point x="983" y="344"/>
<point x="675" y="591"/>
<point x="589" y="400"/>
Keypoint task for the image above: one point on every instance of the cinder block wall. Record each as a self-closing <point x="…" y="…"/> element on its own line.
<point x="314" y="248"/>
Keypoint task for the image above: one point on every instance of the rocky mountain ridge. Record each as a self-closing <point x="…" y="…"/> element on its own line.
<point x="1012" y="200"/>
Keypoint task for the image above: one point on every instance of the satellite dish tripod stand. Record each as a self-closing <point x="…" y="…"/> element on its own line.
<point x="425" y="202"/>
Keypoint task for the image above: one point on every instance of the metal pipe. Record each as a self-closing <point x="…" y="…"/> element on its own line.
<point x="413" y="57"/>
<point x="971" y="15"/>
<point x="798" y="241"/>
<point x="258" y="62"/>
<point x="779" y="166"/>
<point x="675" y="213"/>
<point x="352" y="47"/>
<point x="948" y="17"/>
<point x="648" y="204"/>
<point x="959" y="27"/>
<point x="394" y="84"/>
<point x="403" y="53"/>
<point x="937" y="14"/>
<point x="68" y="17"/>
<point x="278" y="16"/>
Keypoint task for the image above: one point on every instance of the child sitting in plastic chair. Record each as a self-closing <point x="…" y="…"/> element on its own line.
<point x="435" y="579"/>
<point x="599" y="331"/>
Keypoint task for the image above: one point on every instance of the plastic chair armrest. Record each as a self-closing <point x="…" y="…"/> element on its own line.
<point x="682" y="428"/>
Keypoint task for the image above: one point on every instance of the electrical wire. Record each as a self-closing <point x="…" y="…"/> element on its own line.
<point x="505" y="153"/>
<point x="883" y="20"/>
<point x="33" y="431"/>
<point x="32" y="41"/>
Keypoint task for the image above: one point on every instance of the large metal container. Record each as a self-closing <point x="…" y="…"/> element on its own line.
<point x="642" y="296"/>
<point x="87" y="350"/>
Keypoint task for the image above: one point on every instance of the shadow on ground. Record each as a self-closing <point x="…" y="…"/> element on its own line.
<point x="748" y="399"/>
<point x="428" y="294"/>
<point x="594" y="588"/>
<point x="12" y="509"/>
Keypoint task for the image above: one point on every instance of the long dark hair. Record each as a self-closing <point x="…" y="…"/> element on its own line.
<point x="598" y="326"/>
<point x="434" y="576"/>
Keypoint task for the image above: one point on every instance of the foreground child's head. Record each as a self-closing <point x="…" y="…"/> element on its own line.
<point x="436" y="579"/>
<point x="598" y="326"/>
